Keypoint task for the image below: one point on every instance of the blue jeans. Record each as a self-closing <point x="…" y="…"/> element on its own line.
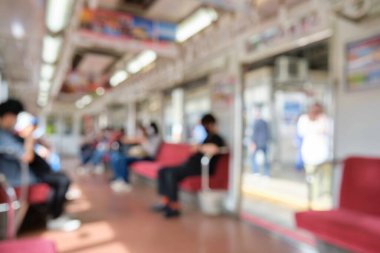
<point x="120" y="163"/>
<point x="97" y="157"/>
<point x="255" y="168"/>
<point x="86" y="152"/>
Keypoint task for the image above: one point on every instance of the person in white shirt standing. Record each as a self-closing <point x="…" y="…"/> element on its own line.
<point x="314" y="128"/>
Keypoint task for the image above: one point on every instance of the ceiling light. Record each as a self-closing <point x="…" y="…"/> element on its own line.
<point x="42" y="102"/>
<point x="201" y="19"/>
<point x="142" y="60"/>
<point x="47" y="71"/>
<point x="43" y="99"/>
<point x="79" y="104"/>
<point x="57" y="14"/>
<point x="87" y="99"/>
<point x="44" y="86"/>
<point x="51" y="48"/>
<point x="100" y="91"/>
<point x="43" y="95"/>
<point x="18" y="30"/>
<point x="119" y="77"/>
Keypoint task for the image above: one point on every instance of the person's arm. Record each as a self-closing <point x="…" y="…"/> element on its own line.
<point x="44" y="143"/>
<point x="209" y="149"/>
<point x="28" y="155"/>
<point x="215" y="146"/>
<point x="133" y="140"/>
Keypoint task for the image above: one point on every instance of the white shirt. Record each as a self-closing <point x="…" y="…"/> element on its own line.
<point x="315" y="148"/>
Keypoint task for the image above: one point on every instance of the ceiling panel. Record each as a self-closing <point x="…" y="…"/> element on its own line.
<point x="172" y="11"/>
<point x="20" y="57"/>
<point x="108" y="4"/>
<point x="94" y="63"/>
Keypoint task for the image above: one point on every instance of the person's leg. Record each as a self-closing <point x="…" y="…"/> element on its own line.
<point x="266" y="161"/>
<point x="310" y="172"/>
<point x="254" y="162"/>
<point x="161" y="182"/>
<point x="59" y="184"/>
<point x="125" y="166"/>
<point x="114" y="164"/>
<point x="96" y="158"/>
<point x="173" y="178"/>
<point x="86" y="155"/>
<point x="162" y="190"/>
<point x="324" y="180"/>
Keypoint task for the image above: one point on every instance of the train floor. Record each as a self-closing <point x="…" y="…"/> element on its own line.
<point x="123" y="223"/>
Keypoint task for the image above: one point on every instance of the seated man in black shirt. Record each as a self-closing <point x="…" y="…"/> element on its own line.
<point x="169" y="178"/>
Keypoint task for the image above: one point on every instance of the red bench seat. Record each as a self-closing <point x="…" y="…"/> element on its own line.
<point x="168" y="155"/>
<point x="218" y="181"/>
<point x="37" y="193"/>
<point x="355" y="224"/>
<point x="29" y="246"/>
<point x="176" y="154"/>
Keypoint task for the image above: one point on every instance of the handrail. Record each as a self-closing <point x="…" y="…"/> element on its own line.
<point x="205" y="162"/>
<point x="9" y="207"/>
<point x="24" y="187"/>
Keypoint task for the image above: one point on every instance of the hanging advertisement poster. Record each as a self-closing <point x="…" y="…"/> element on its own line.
<point x="363" y="63"/>
<point x="120" y="25"/>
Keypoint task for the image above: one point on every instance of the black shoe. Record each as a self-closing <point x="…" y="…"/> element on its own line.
<point x="171" y="213"/>
<point x="158" y="208"/>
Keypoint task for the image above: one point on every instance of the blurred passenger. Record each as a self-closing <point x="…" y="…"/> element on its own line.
<point x="9" y="165"/>
<point x="140" y="149"/>
<point x="170" y="177"/>
<point x="314" y="129"/>
<point x="87" y="148"/>
<point x="199" y="133"/>
<point x="299" y="164"/>
<point x="259" y="142"/>
<point x="102" y="148"/>
<point x="58" y="181"/>
<point x="28" y="123"/>
<point x="23" y="146"/>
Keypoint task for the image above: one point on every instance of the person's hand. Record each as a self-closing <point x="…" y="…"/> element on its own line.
<point x="194" y="149"/>
<point x="209" y="149"/>
<point x="43" y="152"/>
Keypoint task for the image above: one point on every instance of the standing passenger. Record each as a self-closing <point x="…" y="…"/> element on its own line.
<point x="314" y="128"/>
<point x="260" y="140"/>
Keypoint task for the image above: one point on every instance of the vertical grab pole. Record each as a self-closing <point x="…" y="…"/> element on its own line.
<point x="205" y="161"/>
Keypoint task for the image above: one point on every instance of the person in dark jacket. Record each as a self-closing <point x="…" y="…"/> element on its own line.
<point x="259" y="142"/>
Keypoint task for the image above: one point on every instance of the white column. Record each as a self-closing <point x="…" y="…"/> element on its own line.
<point x="236" y="149"/>
<point x="178" y="98"/>
<point x="3" y="90"/>
<point x="131" y="119"/>
<point x="76" y="125"/>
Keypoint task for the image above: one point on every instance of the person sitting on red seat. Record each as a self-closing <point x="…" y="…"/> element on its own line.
<point x="170" y="177"/>
<point x="22" y="145"/>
